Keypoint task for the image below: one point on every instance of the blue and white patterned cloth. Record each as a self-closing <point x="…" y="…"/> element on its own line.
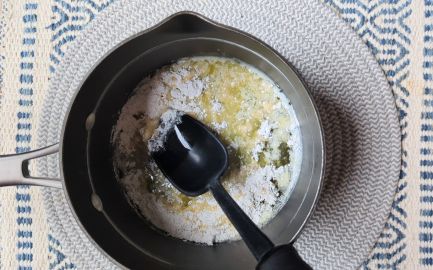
<point x="34" y="35"/>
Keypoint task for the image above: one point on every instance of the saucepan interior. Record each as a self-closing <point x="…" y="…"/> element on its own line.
<point x="86" y="149"/>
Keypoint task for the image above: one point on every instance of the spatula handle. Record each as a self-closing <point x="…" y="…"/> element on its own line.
<point x="254" y="238"/>
<point x="269" y="257"/>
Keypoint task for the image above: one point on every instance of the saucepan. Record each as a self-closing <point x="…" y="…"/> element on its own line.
<point x="85" y="150"/>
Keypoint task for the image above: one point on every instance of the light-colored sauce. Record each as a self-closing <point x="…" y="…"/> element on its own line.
<point x="249" y="113"/>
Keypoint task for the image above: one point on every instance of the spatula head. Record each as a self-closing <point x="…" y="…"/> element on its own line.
<point x="192" y="157"/>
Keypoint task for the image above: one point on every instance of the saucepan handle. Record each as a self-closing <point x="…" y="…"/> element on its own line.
<point x="14" y="169"/>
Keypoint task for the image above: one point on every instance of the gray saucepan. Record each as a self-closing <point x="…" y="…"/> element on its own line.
<point x="85" y="151"/>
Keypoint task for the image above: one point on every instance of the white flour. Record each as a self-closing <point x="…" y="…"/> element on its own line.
<point x="210" y="225"/>
<point x="258" y="179"/>
<point x="219" y="126"/>
<point x="167" y="121"/>
<point x="216" y="106"/>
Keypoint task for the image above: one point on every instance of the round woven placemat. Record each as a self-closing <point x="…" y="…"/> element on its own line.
<point x="354" y="99"/>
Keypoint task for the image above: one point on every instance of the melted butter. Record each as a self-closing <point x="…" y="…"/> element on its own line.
<point x="247" y="100"/>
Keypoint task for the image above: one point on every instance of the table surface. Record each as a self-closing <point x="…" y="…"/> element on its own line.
<point x="35" y="34"/>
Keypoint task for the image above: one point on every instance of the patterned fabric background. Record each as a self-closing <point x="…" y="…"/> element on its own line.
<point x="34" y="35"/>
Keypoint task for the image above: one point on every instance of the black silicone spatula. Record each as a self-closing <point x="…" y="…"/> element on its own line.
<point x="193" y="159"/>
